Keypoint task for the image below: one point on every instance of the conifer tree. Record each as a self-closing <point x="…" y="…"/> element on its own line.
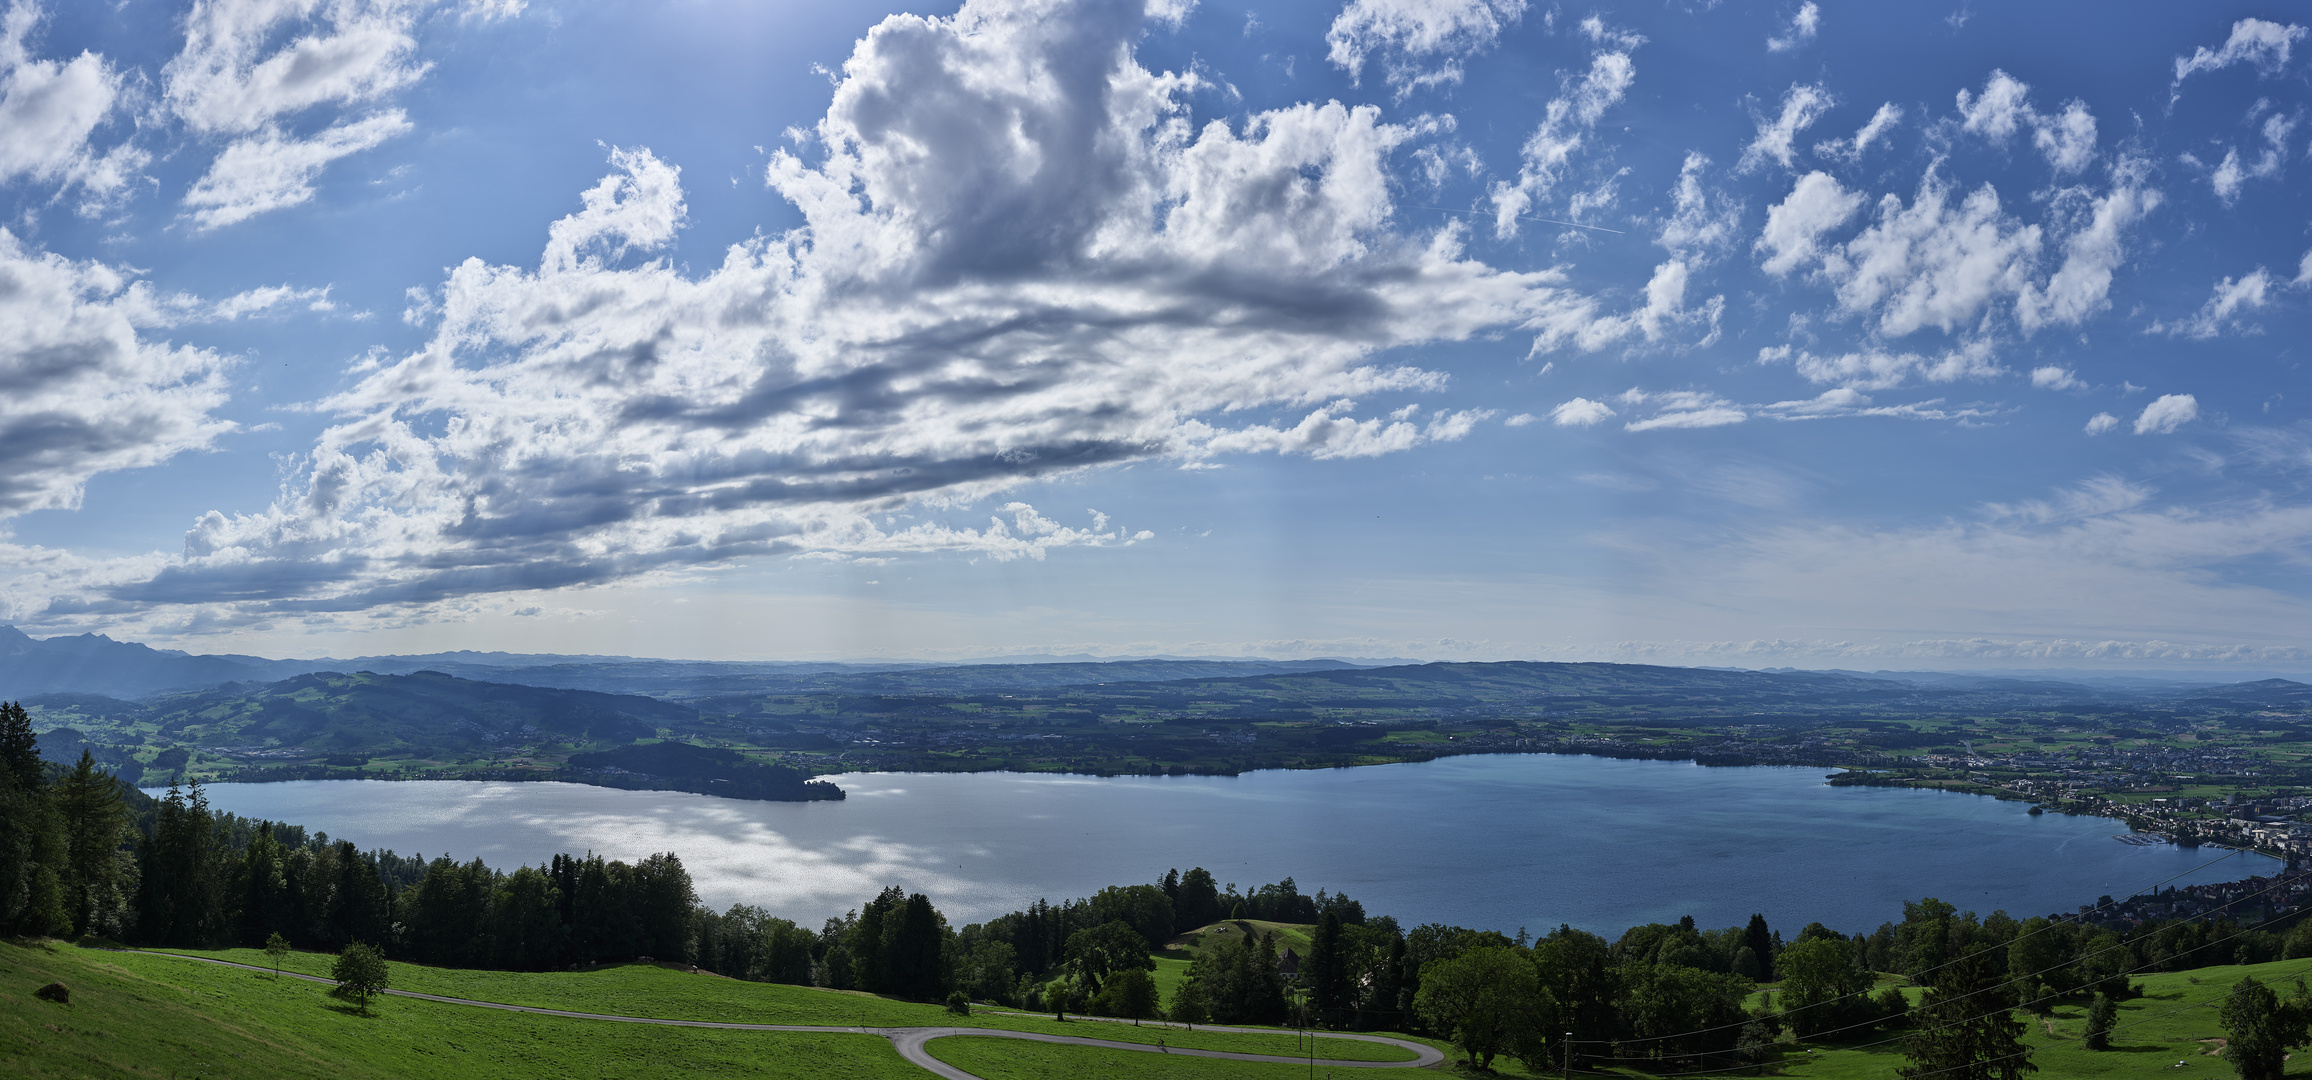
<point x="32" y="845"/>
<point x="1760" y="941"/>
<point x="1967" y="1029"/>
<point x="2102" y="1016"/>
<point x="1326" y="973"/>
<point x="95" y="821"/>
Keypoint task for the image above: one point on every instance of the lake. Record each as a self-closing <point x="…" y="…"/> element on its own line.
<point x="1496" y="841"/>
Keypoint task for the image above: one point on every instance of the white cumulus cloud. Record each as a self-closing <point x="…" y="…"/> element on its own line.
<point x="910" y="350"/>
<point x="2169" y="412"/>
<point x="1794" y="227"/>
<point x="1805" y="23"/>
<point x="51" y="109"/>
<point x="2092" y="252"/>
<point x="1934" y="262"/>
<point x="2231" y="298"/>
<point x="1566" y="122"/>
<point x="88" y="392"/>
<point x="1880" y="369"/>
<point x="2066" y="139"/>
<point x="271" y="171"/>
<point x="1580" y="412"/>
<point x="248" y="66"/>
<point x="1802" y="105"/>
<point x="2102" y="423"/>
<point x="1702" y="223"/>
<point x="2258" y="42"/>
<point x="1872" y="131"/>
<point x="2054" y="377"/>
<point x="1421" y="42"/>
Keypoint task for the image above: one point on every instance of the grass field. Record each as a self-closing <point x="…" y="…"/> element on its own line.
<point x="2173" y="1021"/>
<point x="666" y="993"/>
<point x="135" y="1015"/>
<point x="150" y="1017"/>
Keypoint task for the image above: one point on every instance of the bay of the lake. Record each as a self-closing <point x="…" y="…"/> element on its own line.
<point x="1500" y="841"/>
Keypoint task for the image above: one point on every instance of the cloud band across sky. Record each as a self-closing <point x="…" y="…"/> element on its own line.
<point x="1037" y="246"/>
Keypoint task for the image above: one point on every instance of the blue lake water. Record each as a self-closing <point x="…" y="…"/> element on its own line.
<point x="1500" y="841"/>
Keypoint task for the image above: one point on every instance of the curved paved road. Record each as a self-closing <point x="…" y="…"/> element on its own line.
<point x="910" y="1041"/>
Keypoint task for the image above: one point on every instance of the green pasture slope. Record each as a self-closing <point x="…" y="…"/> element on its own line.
<point x="151" y="1017"/>
<point x="136" y="1015"/>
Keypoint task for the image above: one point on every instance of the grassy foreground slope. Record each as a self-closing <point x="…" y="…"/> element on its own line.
<point x="138" y="1015"/>
<point x="145" y="1016"/>
<point x="668" y="993"/>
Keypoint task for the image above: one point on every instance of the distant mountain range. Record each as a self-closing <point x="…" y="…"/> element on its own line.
<point x="96" y="664"/>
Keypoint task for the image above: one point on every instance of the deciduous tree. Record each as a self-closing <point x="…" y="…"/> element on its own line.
<point x="361" y="972"/>
<point x="1482" y="999"/>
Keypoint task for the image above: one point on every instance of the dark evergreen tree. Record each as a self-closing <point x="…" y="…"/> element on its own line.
<point x="180" y="882"/>
<point x="359" y="906"/>
<point x="1966" y="1027"/>
<point x="526" y="921"/>
<point x="262" y="886"/>
<point x="1326" y="972"/>
<point x="1760" y="941"/>
<point x="95" y="821"/>
<point x="917" y="947"/>
<point x="870" y="965"/>
<point x="32" y="840"/>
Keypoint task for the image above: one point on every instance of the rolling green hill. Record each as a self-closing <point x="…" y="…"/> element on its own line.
<point x="146" y="1015"/>
<point x="332" y="724"/>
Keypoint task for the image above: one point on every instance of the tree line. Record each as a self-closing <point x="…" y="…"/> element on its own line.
<point x="75" y="860"/>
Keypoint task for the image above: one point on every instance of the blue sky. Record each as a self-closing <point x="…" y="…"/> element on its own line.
<point x="1790" y="334"/>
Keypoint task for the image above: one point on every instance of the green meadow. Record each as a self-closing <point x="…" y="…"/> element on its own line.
<point x="145" y="1015"/>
